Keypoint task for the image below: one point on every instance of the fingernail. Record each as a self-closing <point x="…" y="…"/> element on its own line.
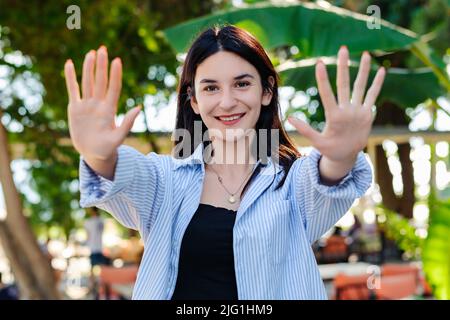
<point x="343" y="47"/>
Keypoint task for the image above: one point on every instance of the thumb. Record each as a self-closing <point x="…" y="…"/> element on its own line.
<point x="128" y="121"/>
<point x="304" y="129"/>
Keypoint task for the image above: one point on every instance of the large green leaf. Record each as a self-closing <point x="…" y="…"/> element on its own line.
<point x="407" y="88"/>
<point x="315" y="30"/>
<point x="426" y="54"/>
<point x="436" y="250"/>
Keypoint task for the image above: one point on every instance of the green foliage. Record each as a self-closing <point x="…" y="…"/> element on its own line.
<point x="436" y="251"/>
<point x="398" y="228"/>
<point x="406" y="88"/>
<point x="315" y="30"/>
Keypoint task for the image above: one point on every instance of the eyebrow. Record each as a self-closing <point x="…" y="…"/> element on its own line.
<point x="242" y="76"/>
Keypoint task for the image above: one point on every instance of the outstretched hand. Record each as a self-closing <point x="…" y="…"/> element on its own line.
<point x="92" y="116"/>
<point x="348" y="120"/>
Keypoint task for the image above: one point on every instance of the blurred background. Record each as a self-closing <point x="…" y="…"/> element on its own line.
<point x="393" y="242"/>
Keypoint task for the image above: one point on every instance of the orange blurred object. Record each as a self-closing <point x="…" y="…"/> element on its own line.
<point x="351" y="287"/>
<point x="111" y="275"/>
<point x="395" y="268"/>
<point x="397" y="286"/>
<point x="397" y="281"/>
<point x="335" y="250"/>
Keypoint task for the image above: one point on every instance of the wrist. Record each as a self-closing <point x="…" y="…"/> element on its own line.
<point x="101" y="158"/>
<point x="103" y="167"/>
<point x="333" y="171"/>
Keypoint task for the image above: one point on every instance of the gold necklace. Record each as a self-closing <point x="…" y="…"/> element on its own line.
<point x="231" y="198"/>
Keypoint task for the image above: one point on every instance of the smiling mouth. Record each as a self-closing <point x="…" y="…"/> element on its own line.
<point x="230" y="119"/>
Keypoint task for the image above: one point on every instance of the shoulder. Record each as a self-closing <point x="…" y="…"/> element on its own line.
<point x="297" y="166"/>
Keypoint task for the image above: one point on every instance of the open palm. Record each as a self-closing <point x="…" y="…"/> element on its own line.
<point x="348" y="121"/>
<point x="92" y="117"/>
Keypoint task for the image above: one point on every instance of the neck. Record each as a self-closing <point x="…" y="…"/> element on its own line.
<point x="235" y="157"/>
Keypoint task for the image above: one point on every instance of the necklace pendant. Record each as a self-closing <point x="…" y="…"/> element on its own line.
<point x="231" y="199"/>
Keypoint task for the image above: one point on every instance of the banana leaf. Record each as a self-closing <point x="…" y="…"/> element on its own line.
<point x="407" y="88"/>
<point x="315" y="30"/>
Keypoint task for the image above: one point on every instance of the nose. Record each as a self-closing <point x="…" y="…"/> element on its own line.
<point x="227" y="100"/>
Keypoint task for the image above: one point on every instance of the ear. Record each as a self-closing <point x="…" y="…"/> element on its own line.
<point x="267" y="94"/>
<point x="192" y="100"/>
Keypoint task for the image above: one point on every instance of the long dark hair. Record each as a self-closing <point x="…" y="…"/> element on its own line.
<point x="238" y="41"/>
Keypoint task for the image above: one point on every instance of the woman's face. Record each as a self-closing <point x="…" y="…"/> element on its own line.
<point x="228" y="95"/>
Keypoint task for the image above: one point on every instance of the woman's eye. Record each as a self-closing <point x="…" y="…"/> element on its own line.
<point x="210" y="88"/>
<point x="243" y="84"/>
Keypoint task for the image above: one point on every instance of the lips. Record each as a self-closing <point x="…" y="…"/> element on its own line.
<point x="231" y="118"/>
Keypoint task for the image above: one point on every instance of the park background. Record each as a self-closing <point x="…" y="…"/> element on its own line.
<point x="403" y="220"/>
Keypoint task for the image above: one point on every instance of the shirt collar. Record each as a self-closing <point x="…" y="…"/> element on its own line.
<point x="196" y="158"/>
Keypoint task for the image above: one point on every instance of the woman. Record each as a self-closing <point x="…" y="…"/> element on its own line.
<point x="214" y="227"/>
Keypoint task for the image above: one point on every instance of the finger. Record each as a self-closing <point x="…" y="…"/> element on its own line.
<point x="360" y="84"/>
<point x="305" y="129"/>
<point x="101" y="73"/>
<point x="128" y="122"/>
<point x="375" y="89"/>
<point x="343" y="78"/>
<point x="71" y="82"/>
<point x="323" y="84"/>
<point x="115" y="82"/>
<point x="87" y="79"/>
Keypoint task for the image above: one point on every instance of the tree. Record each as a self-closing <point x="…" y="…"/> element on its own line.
<point x="30" y="267"/>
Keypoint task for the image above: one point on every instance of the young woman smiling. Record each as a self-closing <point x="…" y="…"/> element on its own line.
<point x="214" y="227"/>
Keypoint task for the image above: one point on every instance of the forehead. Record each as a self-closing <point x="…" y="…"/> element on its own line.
<point x="224" y="66"/>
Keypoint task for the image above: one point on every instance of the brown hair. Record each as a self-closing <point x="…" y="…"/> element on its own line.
<point x="238" y="41"/>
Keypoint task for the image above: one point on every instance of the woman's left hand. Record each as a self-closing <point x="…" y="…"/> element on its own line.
<point x="348" y="121"/>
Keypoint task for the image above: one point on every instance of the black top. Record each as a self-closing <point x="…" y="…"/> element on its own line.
<point x="206" y="265"/>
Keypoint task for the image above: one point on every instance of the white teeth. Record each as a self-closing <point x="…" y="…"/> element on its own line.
<point x="230" y="118"/>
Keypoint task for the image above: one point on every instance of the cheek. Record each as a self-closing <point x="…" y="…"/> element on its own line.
<point x="206" y="108"/>
<point x="253" y="104"/>
<point x="251" y="98"/>
<point x="205" y="105"/>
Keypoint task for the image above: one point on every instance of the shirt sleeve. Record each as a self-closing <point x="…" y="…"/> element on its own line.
<point x="322" y="206"/>
<point x="136" y="193"/>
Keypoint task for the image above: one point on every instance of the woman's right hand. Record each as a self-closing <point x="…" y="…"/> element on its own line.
<point x="91" y="116"/>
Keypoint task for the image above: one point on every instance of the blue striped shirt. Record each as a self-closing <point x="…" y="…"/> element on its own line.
<point x="273" y="232"/>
